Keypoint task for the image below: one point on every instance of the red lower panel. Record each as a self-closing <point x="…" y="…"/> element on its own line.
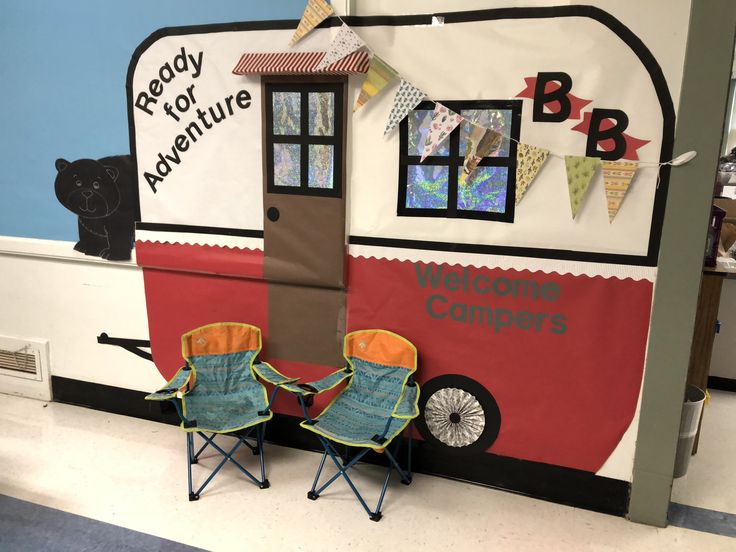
<point x="565" y="368"/>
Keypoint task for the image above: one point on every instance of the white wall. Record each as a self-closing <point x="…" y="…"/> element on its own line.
<point x="53" y="293"/>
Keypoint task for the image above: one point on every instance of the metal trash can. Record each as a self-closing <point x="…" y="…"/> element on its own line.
<point x="691" y="410"/>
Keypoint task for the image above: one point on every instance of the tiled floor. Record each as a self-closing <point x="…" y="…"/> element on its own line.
<point x="132" y="473"/>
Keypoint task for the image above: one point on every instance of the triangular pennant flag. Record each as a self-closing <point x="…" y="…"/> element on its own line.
<point x="407" y="98"/>
<point x="344" y="44"/>
<point x="443" y="122"/>
<point x="580" y="171"/>
<point x="379" y="75"/>
<point x="481" y="143"/>
<point x="529" y="159"/>
<point x="315" y="12"/>
<point x="617" y="177"/>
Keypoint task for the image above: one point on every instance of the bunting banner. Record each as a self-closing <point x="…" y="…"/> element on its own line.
<point x="315" y="12"/>
<point x="379" y="75"/>
<point x="617" y="176"/>
<point x="481" y="143"/>
<point x="345" y="43"/>
<point x="407" y="98"/>
<point x="529" y="160"/>
<point x="443" y="122"/>
<point x="580" y="171"/>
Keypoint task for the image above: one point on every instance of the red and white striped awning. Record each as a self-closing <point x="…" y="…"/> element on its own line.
<point x="297" y="63"/>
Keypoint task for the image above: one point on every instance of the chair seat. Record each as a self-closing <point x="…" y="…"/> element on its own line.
<point x="222" y="413"/>
<point x="356" y="431"/>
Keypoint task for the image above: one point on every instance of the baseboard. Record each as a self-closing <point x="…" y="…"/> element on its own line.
<point x="722" y="384"/>
<point x="553" y="483"/>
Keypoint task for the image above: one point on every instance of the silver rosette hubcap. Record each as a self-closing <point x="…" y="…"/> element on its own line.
<point x="455" y="417"/>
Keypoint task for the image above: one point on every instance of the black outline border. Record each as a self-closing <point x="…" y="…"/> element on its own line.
<point x="614" y="25"/>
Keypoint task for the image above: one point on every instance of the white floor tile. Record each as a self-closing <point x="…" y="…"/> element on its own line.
<point x="133" y="473"/>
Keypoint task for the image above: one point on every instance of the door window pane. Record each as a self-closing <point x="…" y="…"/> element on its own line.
<point x="426" y="187"/>
<point x="484" y="191"/>
<point x="286" y="166"/>
<point x="321" y="113"/>
<point x="286" y="113"/>
<point x="321" y="162"/>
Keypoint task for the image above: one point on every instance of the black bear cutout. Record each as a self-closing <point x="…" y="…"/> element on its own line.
<point x="101" y="194"/>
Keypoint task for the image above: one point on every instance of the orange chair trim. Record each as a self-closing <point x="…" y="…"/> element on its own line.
<point x="221" y="338"/>
<point x="381" y="346"/>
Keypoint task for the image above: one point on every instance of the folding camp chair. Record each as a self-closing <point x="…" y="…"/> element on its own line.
<point x="217" y="392"/>
<point x="378" y="402"/>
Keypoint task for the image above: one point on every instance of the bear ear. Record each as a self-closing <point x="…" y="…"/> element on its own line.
<point x="61" y="164"/>
<point x="113" y="172"/>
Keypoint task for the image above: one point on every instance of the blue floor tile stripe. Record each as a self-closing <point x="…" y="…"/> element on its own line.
<point x="25" y="526"/>
<point x="702" y="519"/>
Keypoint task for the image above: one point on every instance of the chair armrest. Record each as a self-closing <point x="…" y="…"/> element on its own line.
<point x="408" y="405"/>
<point x="271" y="375"/>
<point x="175" y="385"/>
<point x="324" y="384"/>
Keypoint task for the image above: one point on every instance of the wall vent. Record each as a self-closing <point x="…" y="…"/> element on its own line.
<point x="24" y="368"/>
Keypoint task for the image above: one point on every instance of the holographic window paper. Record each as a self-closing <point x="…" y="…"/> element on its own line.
<point x="286" y="113"/>
<point x="419" y="121"/>
<point x="484" y="191"/>
<point x="321" y="161"/>
<point x="286" y="168"/>
<point x="426" y="187"/>
<point x="321" y="113"/>
<point x="497" y="119"/>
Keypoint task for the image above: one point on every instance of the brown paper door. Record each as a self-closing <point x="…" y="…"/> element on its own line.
<point x="304" y="216"/>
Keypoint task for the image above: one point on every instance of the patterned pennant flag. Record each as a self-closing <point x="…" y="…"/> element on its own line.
<point x="379" y="75"/>
<point x="617" y="177"/>
<point x="443" y="122"/>
<point x="580" y="171"/>
<point x="315" y="12"/>
<point x="344" y="44"/>
<point x="481" y="143"/>
<point x="529" y="159"/>
<point x="407" y="98"/>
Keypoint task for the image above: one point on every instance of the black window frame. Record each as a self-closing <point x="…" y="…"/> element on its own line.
<point x="454" y="161"/>
<point x="304" y="139"/>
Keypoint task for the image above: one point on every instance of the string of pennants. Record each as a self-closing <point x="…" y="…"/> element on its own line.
<point x="617" y="175"/>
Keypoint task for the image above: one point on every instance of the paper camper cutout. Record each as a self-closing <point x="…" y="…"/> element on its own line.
<point x="379" y="75"/>
<point x="315" y="12"/>
<point x="443" y="122"/>
<point x="617" y="176"/>
<point x="580" y="171"/>
<point x="481" y="143"/>
<point x="345" y="43"/>
<point x="529" y="159"/>
<point x="407" y="98"/>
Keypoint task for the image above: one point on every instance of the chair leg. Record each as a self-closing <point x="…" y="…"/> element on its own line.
<point x="312" y="495"/>
<point x="260" y="431"/>
<point x="190" y="460"/>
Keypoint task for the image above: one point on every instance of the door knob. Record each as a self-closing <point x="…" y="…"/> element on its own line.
<point x="273" y="214"/>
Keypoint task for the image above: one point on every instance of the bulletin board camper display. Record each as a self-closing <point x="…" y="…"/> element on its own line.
<point x="265" y="198"/>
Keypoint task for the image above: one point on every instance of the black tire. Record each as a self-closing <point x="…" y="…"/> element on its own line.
<point x="462" y="417"/>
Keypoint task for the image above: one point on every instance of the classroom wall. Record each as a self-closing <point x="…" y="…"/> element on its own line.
<point x="64" y="68"/>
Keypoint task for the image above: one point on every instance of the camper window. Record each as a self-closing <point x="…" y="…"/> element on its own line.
<point x="303" y="138"/>
<point x="433" y="187"/>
